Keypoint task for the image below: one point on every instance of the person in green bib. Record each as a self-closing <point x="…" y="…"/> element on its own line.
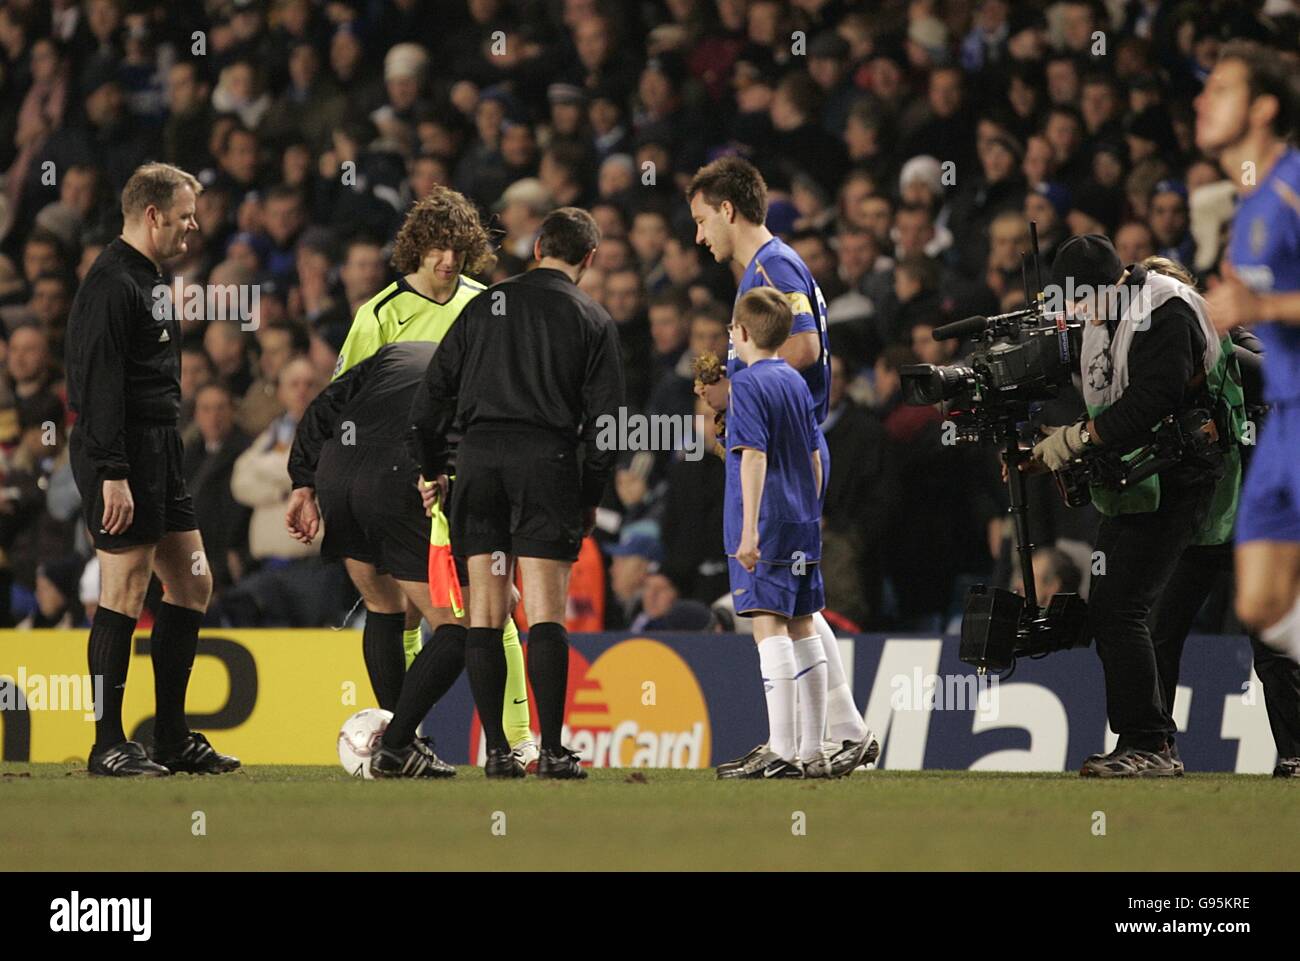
<point x="1207" y="563"/>
<point x="1148" y="352"/>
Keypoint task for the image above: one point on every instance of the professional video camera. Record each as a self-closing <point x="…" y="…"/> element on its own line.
<point x="1024" y="358"/>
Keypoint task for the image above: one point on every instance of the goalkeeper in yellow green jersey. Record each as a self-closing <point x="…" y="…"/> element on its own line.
<point x="440" y="241"/>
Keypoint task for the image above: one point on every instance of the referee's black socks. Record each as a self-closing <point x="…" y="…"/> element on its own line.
<point x="109" y="657"/>
<point x="485" y="662"/>
<point x="172" y="645"/>
<point x="548" y="669"/>
<point x="381" y="646"/>
<point x="431" y="675"/>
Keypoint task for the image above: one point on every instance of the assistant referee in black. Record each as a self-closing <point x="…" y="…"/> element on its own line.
<point x="526" y="372"/>
<point x="123" y="376"/>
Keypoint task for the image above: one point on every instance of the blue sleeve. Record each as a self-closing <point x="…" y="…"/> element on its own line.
<point x="746" y="414"/>
<point x="787" y="280"/>
<point x="1286" y="258"/>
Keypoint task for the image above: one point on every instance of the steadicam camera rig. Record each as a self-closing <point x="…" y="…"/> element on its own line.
<point x="1024" y="358"/>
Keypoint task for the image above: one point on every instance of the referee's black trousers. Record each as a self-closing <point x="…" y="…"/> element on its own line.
<point x="1138" y="554"/>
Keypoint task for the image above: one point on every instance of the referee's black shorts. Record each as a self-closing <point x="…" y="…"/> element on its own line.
<point x="372" y="511"/>
<point x="157" y="482"/>
<point x="516" y="491"/>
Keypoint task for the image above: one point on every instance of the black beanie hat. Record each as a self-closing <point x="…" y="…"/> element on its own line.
<point x="1090" y="259"/>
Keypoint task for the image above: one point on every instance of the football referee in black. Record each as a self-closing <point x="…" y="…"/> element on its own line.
<point x="350" y="467"/>
<point x="526" y="372"/>
<point x="123" y="376"/>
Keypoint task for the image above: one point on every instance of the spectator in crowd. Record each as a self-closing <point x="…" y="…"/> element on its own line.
<point x="624" y="299"/>
<point x="41" y="114"/>
<point x="694" y="557"/>
<point x="521" y="209"/>
<point x="1008" y="240"/>
<point x="1000" y="187"/>
<point x="208" y="464"/>
<point x="228" y="351"/>
<point x="669" y="334"/>
<point x="945" y="128"/>
<point x="1134" y="242"/>
<point x="29" y="534"/>
<point x="860" y="499"/>
<point x="310" y="106"/>
<point x="189" y="117"/>
<point x="706" y="329"/>
<point x="1055" y="572"/>
<point x="633" y="560"/>
<point x="55" y="603"/>
<point x="29" y="382"/>
<point x="277" y="343"/>
<point x="291" y="586"/>
<point x="1170" y="224"/>
<point x="1047" y="204"/>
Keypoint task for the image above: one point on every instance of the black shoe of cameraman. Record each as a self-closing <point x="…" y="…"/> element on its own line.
<point x="1133" y="762"/>
<point x="1287" y="767"/>
<point x="1173" y="756"/>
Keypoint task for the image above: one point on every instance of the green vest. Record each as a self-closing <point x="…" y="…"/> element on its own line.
<point x="1223" y="385"/>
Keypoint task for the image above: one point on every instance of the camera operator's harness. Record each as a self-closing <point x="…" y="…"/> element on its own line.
<point x="1199" y="441"/>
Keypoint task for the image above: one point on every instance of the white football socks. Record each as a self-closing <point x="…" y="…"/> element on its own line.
<point x="1285" y="634"/>
<point x="843" y="722"/>
<point x="810" y="682"/>
<point x="776" y="660"/>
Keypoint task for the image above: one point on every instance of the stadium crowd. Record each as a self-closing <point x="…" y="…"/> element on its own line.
<point x="906" y="146"/>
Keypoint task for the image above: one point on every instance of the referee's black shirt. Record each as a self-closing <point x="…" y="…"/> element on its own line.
<point x="532" y="352"/>
<point x="123" y="362"/>
<point x="360" y="413"/>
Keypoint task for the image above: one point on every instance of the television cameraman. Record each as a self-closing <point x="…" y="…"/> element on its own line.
<point x="1148" y="352"/>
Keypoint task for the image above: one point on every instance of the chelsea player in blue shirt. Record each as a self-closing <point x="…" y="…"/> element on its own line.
<point x="728" y="200"/>
<point x="772" y="534"/>
<point x="1244" y="116"/>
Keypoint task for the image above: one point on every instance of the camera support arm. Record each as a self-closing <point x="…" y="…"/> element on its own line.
<point x="1014" y="456"/>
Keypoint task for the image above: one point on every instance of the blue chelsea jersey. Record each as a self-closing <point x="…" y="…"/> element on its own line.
<point x="776" y="265"/>
<point x="1265" y="254"/>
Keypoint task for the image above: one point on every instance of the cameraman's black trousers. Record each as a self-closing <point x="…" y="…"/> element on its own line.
<point x="1199" y="571"/>
<point x="1139" y="553"/>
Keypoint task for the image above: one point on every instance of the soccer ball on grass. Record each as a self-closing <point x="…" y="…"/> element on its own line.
<point x="359" y="740"/>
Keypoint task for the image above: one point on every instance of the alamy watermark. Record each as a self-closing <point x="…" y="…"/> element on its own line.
<point x="948" y="692"/>
<point x="181" y="301"/>
<point x="53" y="692"/>
<point x="630" y="431"/>
<point x="1107" y="301"/>
<point x="75" y="914"/>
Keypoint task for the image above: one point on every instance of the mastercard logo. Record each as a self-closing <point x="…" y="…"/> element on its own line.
<point x="637" y="705"/>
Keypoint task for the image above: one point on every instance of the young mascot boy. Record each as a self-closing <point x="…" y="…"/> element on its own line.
<point x="772" y="531"/>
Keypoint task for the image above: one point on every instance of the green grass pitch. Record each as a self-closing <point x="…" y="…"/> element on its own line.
<point x="55" y="817"/>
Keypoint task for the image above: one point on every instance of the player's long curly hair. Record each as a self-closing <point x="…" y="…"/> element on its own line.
<point x="444" y="219"/>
